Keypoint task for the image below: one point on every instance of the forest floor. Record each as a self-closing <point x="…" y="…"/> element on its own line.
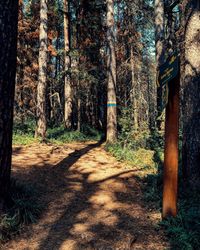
<point x="91" y="201"/>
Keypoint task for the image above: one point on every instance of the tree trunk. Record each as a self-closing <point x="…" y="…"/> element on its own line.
<point x="134" y="93"/>
<point x="191" y="94"/>
<point x="8" y="44"/>
<point x="42" y="81"/>
<point x="160" y="51"/>
<point x="111" y="73"/>
<point x="79" y="113"/>
<point x="68" y="87"/>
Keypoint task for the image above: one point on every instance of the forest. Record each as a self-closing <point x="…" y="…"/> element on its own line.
<point x="99" y="124"/>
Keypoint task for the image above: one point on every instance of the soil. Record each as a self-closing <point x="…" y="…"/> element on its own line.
<point x="91" y="201"/>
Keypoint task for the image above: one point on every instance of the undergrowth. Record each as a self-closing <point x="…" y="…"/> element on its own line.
<point x="183" y="231"/>
<point x="23" y="134"/>
<point x="22" y="210"/>
<point x="60" y="135"/>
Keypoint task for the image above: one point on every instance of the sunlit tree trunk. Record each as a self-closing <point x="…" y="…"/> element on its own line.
<point x="42" y="81"/>
<point x="191" y="93"/>
<point x="111" y="74"/>
<point x="8" y="45"/>
<point x="160" y="51"/>
<point x="68" y="87"/>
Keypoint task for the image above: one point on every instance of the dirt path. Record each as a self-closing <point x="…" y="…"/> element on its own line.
<point x="91" y="201"/>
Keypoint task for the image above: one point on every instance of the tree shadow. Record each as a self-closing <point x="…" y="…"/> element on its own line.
<point x="103" y="213"/>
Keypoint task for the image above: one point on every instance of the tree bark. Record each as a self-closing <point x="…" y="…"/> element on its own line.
<point x="111" y="73"/>
<point x="68" y="87"/>
<point x="160" y="51"/>
<point x="42" y="81"/>
<point x="134" y="93"/>
<point x="8" y="44"/>
<point x="191" y="93"/>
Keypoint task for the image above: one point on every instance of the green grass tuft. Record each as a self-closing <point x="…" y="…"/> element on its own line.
<point x="140" y="158"/>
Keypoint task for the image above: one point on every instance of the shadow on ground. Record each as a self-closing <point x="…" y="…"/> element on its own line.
<point x="91" y="202"/>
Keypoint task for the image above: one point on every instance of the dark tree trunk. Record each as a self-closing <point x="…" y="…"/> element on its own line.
<point x="191" y="93"/>
<point x="8" y="45"/>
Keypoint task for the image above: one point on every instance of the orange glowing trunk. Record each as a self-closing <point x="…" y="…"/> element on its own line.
<point x="170" y="182"/>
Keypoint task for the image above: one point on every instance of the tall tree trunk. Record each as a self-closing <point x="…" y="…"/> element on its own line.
<point x="42" y="81"/>
<point x="134" y="92"/>
<point x="68" y="87"/>
<point x="8" y="44"/>
<point x="79" y="113"/>
<point x="191" y="93"/>
<point x="111" y="73"/>
<point x="76" y="66"/>
<point x="160" y="52"/>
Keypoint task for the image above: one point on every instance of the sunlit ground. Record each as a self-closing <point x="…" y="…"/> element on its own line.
<point x="90" y="200"/>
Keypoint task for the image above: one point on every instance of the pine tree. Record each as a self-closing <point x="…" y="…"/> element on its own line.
<point x="111" y="74"/>
<point x="160" y="50"/>
<point x="68" y="87"/>
<point x="42" y="81"/>
<point x="191" y="93"/>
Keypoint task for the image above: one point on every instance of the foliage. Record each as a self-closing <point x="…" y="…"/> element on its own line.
<point x="24" y="134"/>
<point x="132" y="138"/>
<point x="61" y="135"/>
<point x="23" y="210"/>
<point x="139" y="158"/>
<point x="184" y="230"/>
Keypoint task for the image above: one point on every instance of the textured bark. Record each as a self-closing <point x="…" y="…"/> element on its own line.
<point x="111" y="73"/>
<point x="42" y="81"/>
<point x="8" y="45"/>
<point x="79" y="36"/>
<point x="160" y="50"/>
<point x="68" y="87"/>
<point x="134" y="93"/>
<point x="191" y="93"/>
<point x="79" y="114"/>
